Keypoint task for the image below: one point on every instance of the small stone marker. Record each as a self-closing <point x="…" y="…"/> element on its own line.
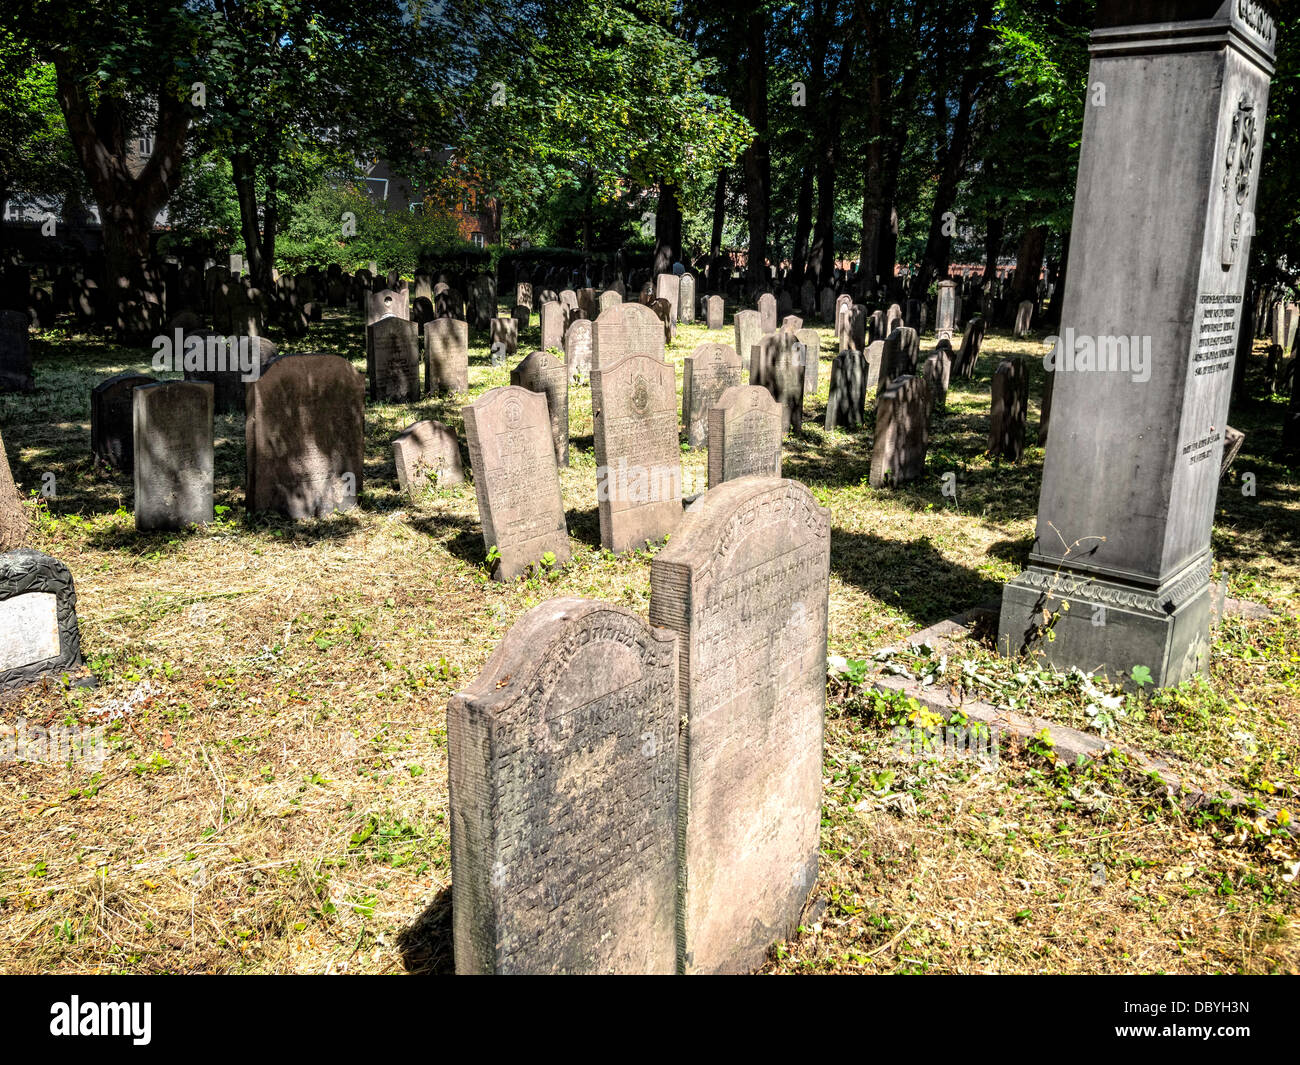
<point x="393" y="360"/>
<point x="767" y="313"/>
<point x="112" y="421"/>
<point x="792" y="323"/>
<point x="609" y="298"/>
<point x="846" y="407"/>
<point x="39" y="636"/>
<point x="386" y="302"/>
<point x="810" y="357"/>
<point x="744" y="586"/>
<point x="709" y="371"/>
<point x="552" y="319"/>
<point x="427" y="450"/>
<point x="775" y="367"/>
<point x="563" y="793"/>
<point x="304" y="436"/>
<point x="748" y="330"/>
<point x="638" y="457"/>
<point x="945" y="316"/>
<point x="1024" y="318"/>
<point x="446" y="355"/>
<point x="744" y="435"/>
<point x="714" y="312"/>
<point x="577" y="350"/>
<point x="669" y="287"/>
<point x="898" y="450"/>
<point x="1009" y="410"/>
<point x="542" y="372"/>
<point x="686" y="299"/>
<point x="516" y="480"/>
<point x="173" y="454"/>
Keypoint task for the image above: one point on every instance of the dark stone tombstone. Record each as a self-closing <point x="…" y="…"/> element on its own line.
<point x="587" y="309"/>
<point x="846" y="407"/>
<point x="483" y="296"/>
<point x="516" y="480"/>
<point x="898" y="450"/>
<point x="638" y="457"/>
<point x="112" y="432"/>
<point x="15" y="353"/>
<point x="714" y="312"/>
<point x="427" y="451"/>
<point x="744" y="435"/>
<point x="446" y="355"/>
<point x="504" y="338"/>
<point x="776" y="367"/>
<point x="808" y="349"/>
<point x="808" y="298"/>
<point x="709" y="371"/>
<point x="944" y="362"/>
<point x="1160" y="244"/>
<point x="901" y="352"/>
<point x="393" y="361"/>
<point x="1024" y="319"/>
<point x="39" y="636"/>
<point x="972" y="341"/>
<point x="542" y="372"/>
<point x="563" y="794"/>
<point x="422" y="311"/>
<point x="228" y="364"/>
<point x="744" y="584"/>
<point x="664" y="312"/>
<point x="173" y="454"/>
<point x="304" y="436"/>
<point x="827" y="306"/>
<point x="1010" y="410"/>
<point x="876" y="327"/>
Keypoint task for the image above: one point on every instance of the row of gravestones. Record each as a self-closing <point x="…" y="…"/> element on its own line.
<point x="633" y="796"/>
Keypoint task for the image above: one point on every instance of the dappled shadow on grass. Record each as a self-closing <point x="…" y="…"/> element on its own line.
<point x="426" y="944"/>
<point x="910" y="576"/>
<point x="462" y="537"/>
<point x="584" y="525"/>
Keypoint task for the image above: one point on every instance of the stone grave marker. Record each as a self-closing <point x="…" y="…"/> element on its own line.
<point x="809" y="357"/>
<point x="172" y="423"/>
<point x="39" y="635"/>
<point x="516" y="480"/>
<point x="112" y="420"/>
<point x="709" y="371"/>
<point x="541" y="372"/>
<point x="427" y="451"/>
<point x="898" y="450"/>
<point x="609" y="298"/>
<point x="386" y="302"/>
<point x="1009" y="410"/>
<point x="627" y="329"/>
<point x="15" y="353"/>
<point x="901" y="352"/>
<point x="945" y="317"/>
<point x="552" y="324"/>
<point x="743" y="584"/>
<point x="846" y="407"/>
<point x="749" y="330"/>
<point x="972" y="341"/>
<point x="503" y="336"/>
<point x="767" y="313"/>
<point x="714" y="313"/>
<point x="393" y="360"/>
<point x="577" y="350"/>
<point x="1024" y="318"/>
<point x="874" y="359"/>
<point x="563" y="795"/>
<point x="776" y="368"/>
<point x="686" y="299"/>
<point x="446" y="355"/>
<point x="669" y="287"/>
<point x="744" y="435"/>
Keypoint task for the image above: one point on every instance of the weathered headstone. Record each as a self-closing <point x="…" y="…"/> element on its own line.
<point x="776" y="367"/>
<point x="899" y="359"/>
<point x="426" y="451"/>
<point x="638" y="458"/>
<point x="709" y="371"/>
<point x="503" y="335"/>
<point x="809" y="351"/>
<point x="664" y="312"/>
<point x="386" y="302"/>
<point x="744" y="586"/>
<point x="898" y="449"/>
<point x="669" y="287"/>
<point x="393" y="360"/>
<point x="744" y="435"/>
<point x="847" y="404"/>
<point x="563" y="794"/>
<point x="173" y="454"/>
<point x="516" y="480"/>
<point x="1009" y="411"/>
<point x="1024" y="318"/>
<point x="552" y="324"/>
<point x="542" y="372"/>
<point x="577" y="350"/>
<point x="875" y="360"/>
<point x="39" y="635"/>
<point x="1160" y="246"/>
<point x="972" y="340"/>
<point x="945" y="317"/>
<point x="748" y="328"/>
<point x="609" y="298"/>
<point x="15" y="352"/>
<point x="112" y="420"/>
<point x="767" y="322"/>
<point x="304" y="436"/>
<point x="628" y="329"/>
<point x="686" y="299"/>
<point x="714" y="312"/>
<point x="446" y="355"/>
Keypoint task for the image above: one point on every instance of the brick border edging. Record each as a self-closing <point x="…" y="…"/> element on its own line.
<point x="1068" y="742"/>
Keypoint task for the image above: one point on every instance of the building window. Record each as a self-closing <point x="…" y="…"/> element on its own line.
<point x="477" y="240"/>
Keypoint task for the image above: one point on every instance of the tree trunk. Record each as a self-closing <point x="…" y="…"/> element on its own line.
<point x="14" y="525"/>
<point x="715" y="237"/>
<point x="756" y="159"/>
<point x="1029" y="268"/>
<point x="668" y="229"/>
<point x="802" y="226"/>
<point x="1053" y="319"/>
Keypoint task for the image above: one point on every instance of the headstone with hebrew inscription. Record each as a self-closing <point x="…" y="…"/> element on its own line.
<point x="446" y="355"/>
<point x="708" y="372"/>
<point x="542" y="372"/>
<point x="427" y="452"/>
<point x="393" y="360"/>
<point x="173" y="474"/>
<point x="744" y="435"/>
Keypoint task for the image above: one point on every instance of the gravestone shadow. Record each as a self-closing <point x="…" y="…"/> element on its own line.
<point x="426" y="944"/>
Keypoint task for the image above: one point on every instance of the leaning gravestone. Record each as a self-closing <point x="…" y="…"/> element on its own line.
<point x="744" y="586"/>
<point x="846" y="407"/>
<point x="304" y="436"/>
<point x="875" y="361"/>
<point x="686" y="299"/>
<point x="577" y="350"/>
<point x="969" y="353"/>
<point x="427" y="450"/>
<point x="112" y="433"/>
<point x="393" y="360"/>
<point x="15" y="353"/>
<point x="709" y="371"/>
<point x="1009" y="410"/>
<point x="714" y="312"/>
<point x="744" y="435"/>
<point x="542" y="372"/>
<point x="563" y="794"/>
<point x="901" y="352"/>
<point x="516" y="480"/>
<point x="39" y="636"/>
<point x="638" y="458"/>
<point x="767" y="313"/>
<point x="748" y="329"/>
<point x="776" y="367"/>
<point x="627" y="329"/>
<point x="446" y="355"/>
<point x="898" y="449"/>
<point x="173" y="454"/>
<point x="1160" y="248"/>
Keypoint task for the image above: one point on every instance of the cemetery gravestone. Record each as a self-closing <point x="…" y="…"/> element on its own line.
<point x="504" y="338"/>
<point x="552" y="319"/>
<point x="847" y="404"/>
<point x="577" y="350"/>
<point x="638" y="458"/>
<point x="686" y="299"/>
<point x="744" y="435"/>
<point x="744" y="586"/>
<point x="898" y="450"/>
<point x="386" y="302"/>
<point x="304" y="436"/>
<point x="766" y="313"/>
<point x="714" y="313"/>
<point x="112" y="420"/>
<point x="669" y="287"/>
<point x="516" y="480"/>
<point x="628" y="329"/>
<point x="809" y="356"/>
<point x="749" y="330"/>
<point x="1024" y="319"/>
<point x="775" y="367"/>
<point x="608" y="298"/>
<point x="563" y="794"/>
<point x="709" y="371"/>
<point x="542" y="372"/>
<point x="446" y="355"/>
<point x="173" y="454"/>
<point x="393" y="361"/>
<point x="1009" y="410"/>
<point x="972" y="341"/>
<point x="427" y="450"/>
<point x="874" y="359"/>
<point x="39" y="635"/>
<point x="15" y="353"/>
<point x="945" y="318"/>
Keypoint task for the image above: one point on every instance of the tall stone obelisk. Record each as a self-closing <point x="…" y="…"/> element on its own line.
<point x="1163" y="216"/>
